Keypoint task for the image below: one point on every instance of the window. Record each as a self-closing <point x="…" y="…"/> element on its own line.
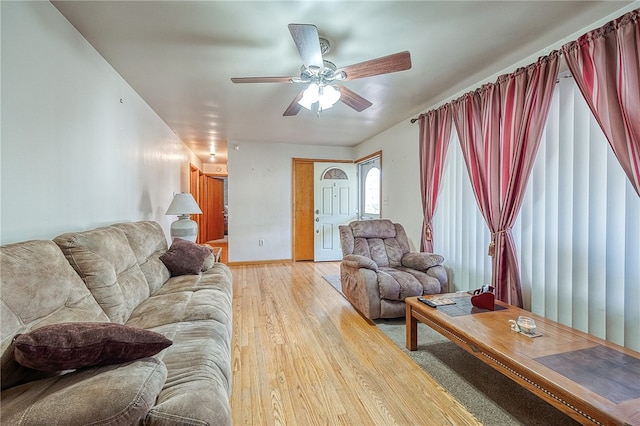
<point x="369" y="188"/>
<point x="335" y="173"/>
<point x="372" y="192"/>
<point x="577" y="231"/>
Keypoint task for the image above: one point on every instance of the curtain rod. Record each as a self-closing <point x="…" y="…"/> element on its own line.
<point x="413" y="120"/>
<point x="497" y="75"/>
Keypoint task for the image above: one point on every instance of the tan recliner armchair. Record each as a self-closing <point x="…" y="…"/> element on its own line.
<point x="378" y="269"/>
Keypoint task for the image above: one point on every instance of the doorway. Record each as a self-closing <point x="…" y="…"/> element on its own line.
<point x="304" y="205"/>
<point x="210" y="192"/>
<point x="217" y="202"/>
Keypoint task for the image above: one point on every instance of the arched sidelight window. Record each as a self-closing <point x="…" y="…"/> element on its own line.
<point x="372" y="192"/>
<point x="369" y="182"/>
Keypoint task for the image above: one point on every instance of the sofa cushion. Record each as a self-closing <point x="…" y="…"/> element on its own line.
<point x="380" y="228"/>
<point x="402" y="239"/>
<point x="185" y="257"/>
<point x="217" y="277"/>
<point x="188" y="298"/>
<point x="105" y="261"/>
<point x="201" y="352"/>
<point x="72" y="345"/>
<point x="421" y="261"/>
<point x="396" y="284"/>
<point x="39" y="287"/>
<point x="384" y="252"/>
<point x="119" y="394"/>
<point x="393" y="251"/>
<point x="433" y="280"/>
<point x="148" y="242"/>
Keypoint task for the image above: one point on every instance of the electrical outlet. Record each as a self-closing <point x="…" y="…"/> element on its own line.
<point x="260" y="243"/>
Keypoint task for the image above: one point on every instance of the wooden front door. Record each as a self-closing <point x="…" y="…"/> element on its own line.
<point x="214" y="208"/>
<point x="302" y="209"/>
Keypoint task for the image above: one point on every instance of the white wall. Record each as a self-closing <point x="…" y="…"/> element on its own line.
<point x="401" y="200"/>
<point x="80" y="148"/>
<point x="260" y="197"/>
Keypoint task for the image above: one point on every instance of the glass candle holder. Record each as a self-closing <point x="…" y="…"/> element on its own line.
<point x="527" y="325"/>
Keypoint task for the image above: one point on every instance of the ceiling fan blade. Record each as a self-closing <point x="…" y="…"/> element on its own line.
<point x="387" y="64"/>
<point x="306" y="38"/>
<point x="352" y="99"/>
<point x="261" y="79"/>
<point x="294" y="106"/>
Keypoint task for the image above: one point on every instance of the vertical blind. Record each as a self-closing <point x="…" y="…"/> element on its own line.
<point x="577" y="234"/>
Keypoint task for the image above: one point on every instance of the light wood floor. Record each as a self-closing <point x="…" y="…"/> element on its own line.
<point x="301" y="355"/>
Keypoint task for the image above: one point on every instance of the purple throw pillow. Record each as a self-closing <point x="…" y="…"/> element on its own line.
<point x="73" y="345"/>
<point x="185" y="257"/>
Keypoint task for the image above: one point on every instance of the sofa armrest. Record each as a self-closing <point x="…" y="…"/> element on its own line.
<point x="439" y="272"/>
<point x="360" y="287"/>
<point x="421" y="261"/>
<point x="357" y="261"/>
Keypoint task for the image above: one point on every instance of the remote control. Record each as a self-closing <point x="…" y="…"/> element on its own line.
<point x="427" y="302"/>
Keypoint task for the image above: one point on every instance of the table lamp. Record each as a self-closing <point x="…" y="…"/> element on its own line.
<point x="184" y="206"/>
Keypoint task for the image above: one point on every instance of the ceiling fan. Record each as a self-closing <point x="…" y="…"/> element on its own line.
<point x="321" y="76"/>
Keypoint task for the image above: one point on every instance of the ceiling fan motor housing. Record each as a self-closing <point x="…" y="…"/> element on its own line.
<point x="321" y="76"/>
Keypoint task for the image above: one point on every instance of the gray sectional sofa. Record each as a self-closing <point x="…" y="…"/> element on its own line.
<point x="113" y="277"/>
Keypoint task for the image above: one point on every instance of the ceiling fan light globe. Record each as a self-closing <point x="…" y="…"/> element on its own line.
<point x="312" y="93"/>
<point x="305" y="103"/>
<point x="330" y="95"/>
<point x="325" y="104"/>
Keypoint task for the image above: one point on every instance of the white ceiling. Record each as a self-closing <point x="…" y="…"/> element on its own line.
<point x="180" y="55"/>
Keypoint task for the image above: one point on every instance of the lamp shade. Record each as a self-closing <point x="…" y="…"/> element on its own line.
<point x="183" y="203"/>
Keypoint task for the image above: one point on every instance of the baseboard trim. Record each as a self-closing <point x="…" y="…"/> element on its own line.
<point x="259" y="262"/>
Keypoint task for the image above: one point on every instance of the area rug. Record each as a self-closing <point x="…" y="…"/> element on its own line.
<point x="334" y="280"/>
<point x="491" y="397"/>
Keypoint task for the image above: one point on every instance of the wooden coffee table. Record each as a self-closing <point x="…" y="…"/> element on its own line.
<point x="589" y="379"/>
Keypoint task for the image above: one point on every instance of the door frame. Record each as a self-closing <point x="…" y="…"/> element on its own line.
<point x="298" y="230"/>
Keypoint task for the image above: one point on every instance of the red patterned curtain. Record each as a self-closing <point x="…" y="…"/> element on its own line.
<point x="499" y="126"/>
<point x="606" y="66"/>
<point x="435" y="132"/>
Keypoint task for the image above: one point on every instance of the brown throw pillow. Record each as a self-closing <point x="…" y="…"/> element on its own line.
<point x="73" y="345"/>
<point x="185" y="257"/>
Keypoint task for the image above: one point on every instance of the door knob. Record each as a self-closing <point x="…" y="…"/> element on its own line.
<point x="317" y="211"/>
